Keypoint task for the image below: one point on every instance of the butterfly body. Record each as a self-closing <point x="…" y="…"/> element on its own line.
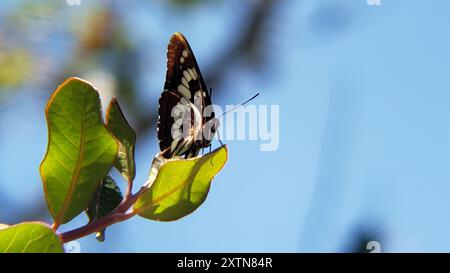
<point x="186" y="122"/>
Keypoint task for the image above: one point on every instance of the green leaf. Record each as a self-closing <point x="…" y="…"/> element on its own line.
<point x="80" y="149"/>
<point x="29" y="237"/>
<point x="107" y="198"/>
<point x="122" y="131"/>
<point x="180" y="187"/>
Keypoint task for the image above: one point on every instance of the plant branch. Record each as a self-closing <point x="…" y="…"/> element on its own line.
<point x="128" y="192"/>
<point x="118" y="215"/>
<point x="95" y="226"/>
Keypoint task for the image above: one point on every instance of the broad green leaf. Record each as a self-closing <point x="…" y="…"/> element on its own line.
<point x="122" y="131"/>
<point x="80" y="149"/>
<point x="180" y="187"/>
<point x="107" y="198"/>
<point x="29" y="237"/>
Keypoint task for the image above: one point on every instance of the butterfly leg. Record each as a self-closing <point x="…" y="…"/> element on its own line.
<point x="218" y="137"/>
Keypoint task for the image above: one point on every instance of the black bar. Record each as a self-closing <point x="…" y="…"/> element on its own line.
<point x="224" y="262"/>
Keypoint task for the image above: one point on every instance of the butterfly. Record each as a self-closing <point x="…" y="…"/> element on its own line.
<point x="186" y="121"/>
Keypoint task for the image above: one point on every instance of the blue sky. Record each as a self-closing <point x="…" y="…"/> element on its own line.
<point x="364" y="97"/>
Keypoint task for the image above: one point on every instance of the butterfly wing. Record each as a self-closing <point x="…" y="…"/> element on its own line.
<point x="184" y="84"/>
<point x="181" y="63"/>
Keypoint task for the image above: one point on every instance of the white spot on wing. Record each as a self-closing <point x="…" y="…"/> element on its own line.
<point x="186" y="103"/>
<point x="176" y="133"/>
<point x="178" y="111"/>
<point x="185" y="82"/>
<point x="177" y="124"/>
<point x="192" y="73"/>
<point x="184" y="91"/>
<point x="187" y="76"/>
<point x="185" y="53"/>
<point x="174" y="144"/>
<point x="198" y="93"/>
<point x="182" y="59"/>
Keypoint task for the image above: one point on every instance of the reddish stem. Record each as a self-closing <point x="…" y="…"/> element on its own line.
<point x="94" y="226"/>
<point x="118" y="215"/>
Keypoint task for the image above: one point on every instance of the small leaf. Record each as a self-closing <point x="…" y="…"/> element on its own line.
<point x="107" y="198"/>
<point x="122" y="131"/>
<point x="80" y="149"/>
<point x="180" y="187"/>
<point x="29" y="237"/>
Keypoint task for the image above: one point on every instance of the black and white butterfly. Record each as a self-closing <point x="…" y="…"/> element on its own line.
<point x="186" y="122"/>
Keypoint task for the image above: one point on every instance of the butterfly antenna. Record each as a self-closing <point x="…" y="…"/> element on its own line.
<point x="234" y="108"/>
<point x="240" y="105"/>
